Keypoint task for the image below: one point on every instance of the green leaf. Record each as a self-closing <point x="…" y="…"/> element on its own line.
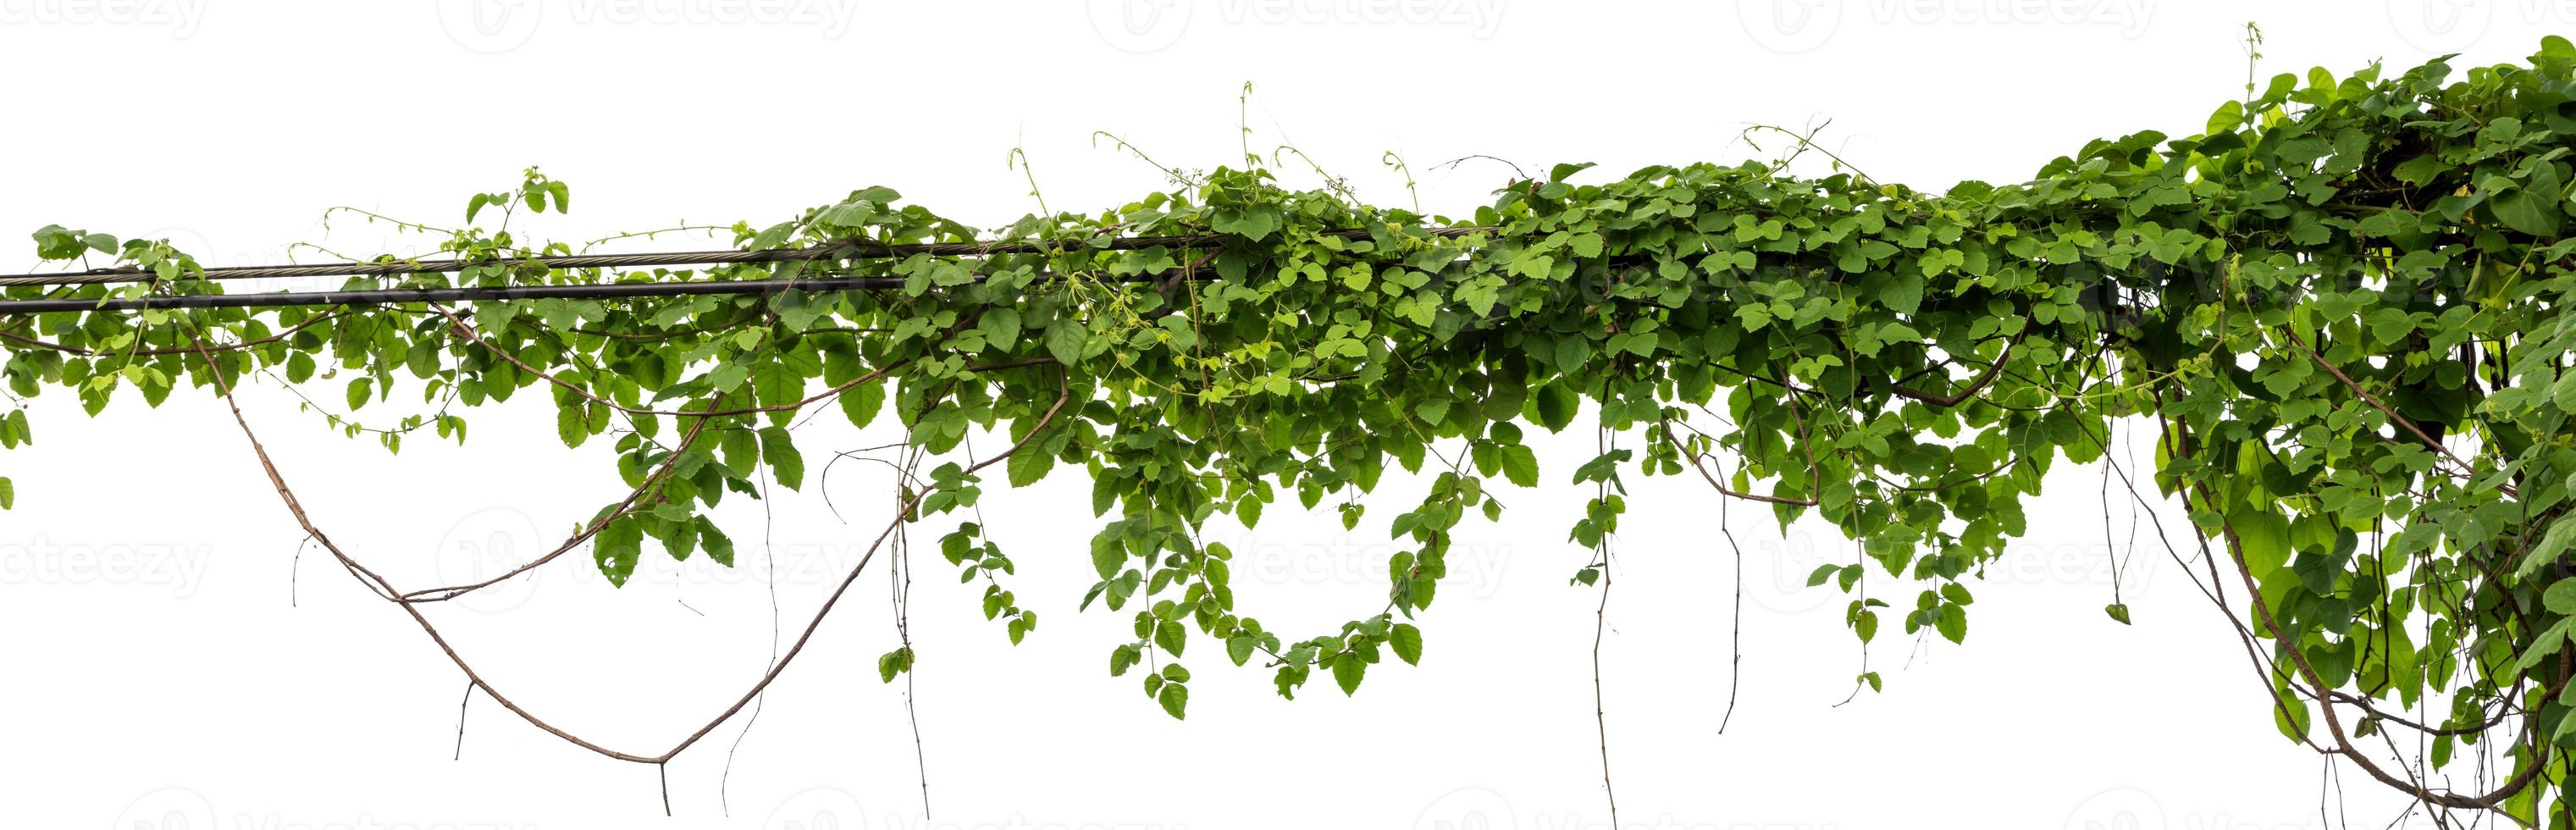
<point x="2561" y="597"/>
<point x="572" y="423"/>
<point x="1520" y="465"/>
<point x="2229" y="116"/>
<point x="719" y="546"/>
<point x="2527" y="211"/>
<point x="1028" y="465"/>
<point x="1406" y="640"/>
<point x="617" y="548"/>
<point x="894" y="663"/>
<point x="9" y="500"/>
<point x="1001" y="326"/>
<point x="775" y="385"/>
<point x="860" y="404"/>
<point x="1107" y="555"/>
<point x="1903" y="294"/>
<point x="1175" y="698"/>
<point x="1238" y="648"/>
<point x="422" y="359"/>
<point x="1952" y="622"/>
<point x="1347" y="671"/>
<point x="1065" y="340"/>
<point x="780" y="451"/>
<point x="2118" y="611"/>
<point x="1555" y="406"/>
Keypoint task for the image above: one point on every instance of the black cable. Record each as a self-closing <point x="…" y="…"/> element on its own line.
<point x="511" y="292"/>
<point x="849" y="249"/>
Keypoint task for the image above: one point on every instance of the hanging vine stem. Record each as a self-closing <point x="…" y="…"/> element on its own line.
<point x="899" y="578"/>
<point x="460" y="722"/>
<point x="769" y="581"/>
<point x="1606" y="443"/>
<point x="1735" y="626"/>
<point x="1904" y="365"/>
<point x="215" y="374"/>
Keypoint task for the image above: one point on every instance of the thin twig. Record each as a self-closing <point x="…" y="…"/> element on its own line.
<point x="460" y="722"/>
<point x="1735" y="664"/>
<point x="769" y="575"/>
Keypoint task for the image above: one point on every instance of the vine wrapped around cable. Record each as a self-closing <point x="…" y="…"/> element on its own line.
<point x="2340" y="312"/>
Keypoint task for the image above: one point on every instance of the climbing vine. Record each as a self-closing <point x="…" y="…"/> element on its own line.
<point x="2338" y="314"/>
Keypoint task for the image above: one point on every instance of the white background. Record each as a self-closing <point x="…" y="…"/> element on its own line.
<point x="160" y="677"/>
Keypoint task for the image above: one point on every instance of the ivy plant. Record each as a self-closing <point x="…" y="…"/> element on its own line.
<point x="2338" y="312"/>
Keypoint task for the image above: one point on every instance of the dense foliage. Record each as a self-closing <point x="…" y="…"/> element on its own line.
<point x="2339" y="312"/>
